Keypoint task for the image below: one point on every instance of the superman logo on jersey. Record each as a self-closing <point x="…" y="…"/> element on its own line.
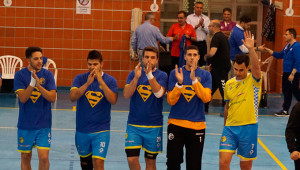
<point x="93" y="97"/>
<point x="145" y="91"/>
<point x="188" y="92"/>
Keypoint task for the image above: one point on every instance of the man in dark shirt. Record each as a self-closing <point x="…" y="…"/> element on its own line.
<point x="292" y="135"/>
<point x="219" y="57"/>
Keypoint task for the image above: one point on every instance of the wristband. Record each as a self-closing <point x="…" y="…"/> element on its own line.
<point x="32" y="81"/>
<point x="194" y="82"/>
<point x="178" y="84"/>
<point x="150" y="75"/>
<point x="292" y="74"/>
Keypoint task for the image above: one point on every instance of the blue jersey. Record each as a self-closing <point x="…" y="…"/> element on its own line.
<point x="145" y="107"/>
<point x="235" y="40"/>
<point x="291" y="57"/>
<point x="36" y="112"/>
<point x="189" y="106"/>
<point x="93" y="109"/>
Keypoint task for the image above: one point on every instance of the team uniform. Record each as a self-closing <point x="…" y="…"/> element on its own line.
<point x="145" y="119"/>
<point x="93" y="117"/>
<point x="35" y="117"/>
<point x="235" y="41"/>
<point x="240" y="131"/>
<point x="186" y="124"/>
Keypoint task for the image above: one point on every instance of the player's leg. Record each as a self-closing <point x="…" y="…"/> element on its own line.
<point x="100" y="143"/>
<point x="152" y="144"/>
<point x="228" y="145"/>
<point x="26" y="161"/>
<point x="26" y="140"/>
<point x="194" y="143"/>
<point x="133" y="144"/>
<point x="98" y="164"/>
<point x="224" y="160"/>
<point x="86" y="163"/>
<point x="133" y="158"/>
<point x="84" y="149"/>
<point x="247" y="149"/>
<point x="43" y="155"/>
<point x="150" y="159"/>
<point x="246" y="164"/>
<point x="43" y="142"/>
<point x="175" y="147"/>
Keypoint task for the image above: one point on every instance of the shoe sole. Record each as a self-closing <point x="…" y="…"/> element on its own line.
<point x="277" y="115"/>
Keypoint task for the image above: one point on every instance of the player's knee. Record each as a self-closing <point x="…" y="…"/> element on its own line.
<point x="98" y="163"/>
<point x="132" y="152"/>
<point x="150" y="155"/>
<point x="43" y="158"/>
<point x="26" y="156"/>
<point x="86" y="163"/>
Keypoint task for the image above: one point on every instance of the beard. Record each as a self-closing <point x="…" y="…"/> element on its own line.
<point x="34" y="67"/>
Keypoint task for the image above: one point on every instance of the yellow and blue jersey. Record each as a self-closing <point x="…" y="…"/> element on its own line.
<point x="145" y="107"/>
<point x="93" y="109"/>
<point x="243" y="97"/>
<point x="189" y="106"/>
<point x="36" y="112"/>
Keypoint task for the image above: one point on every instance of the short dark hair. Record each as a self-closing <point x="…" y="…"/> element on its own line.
<point x="30" y="50"/>
<point x="245" y="19"/>
<point x="227" y="9"/>
<point x="201" y="3"/>
<point x="192" y="47"/>
<point x="292" y="31"/>
<point x="149" y="15"/>
<point x="182" y="12"/>
<point x="94" y="54"/>
<point x="153" y="49"/>
<point x="241" y="58"/>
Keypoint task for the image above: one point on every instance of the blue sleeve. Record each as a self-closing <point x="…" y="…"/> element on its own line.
<point x="113" y="85"/>
<point x="296" y="55"/>
<point x="206" y="81"/>
<point x="19" y="82"/>
<point x="238" y="38"/>
<point x="0" y="75"/>
<point x="163" y="81"/>
<point x="51" y="82"/>
<point x="130" y="77"/>
<point x="172" y="80"/>
<point x="278" y="55"/>
<point x="77" y="82"/>
<point x="161" y="38"/>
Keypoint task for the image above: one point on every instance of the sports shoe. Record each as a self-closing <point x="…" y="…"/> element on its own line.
<point x="282" y="113"/>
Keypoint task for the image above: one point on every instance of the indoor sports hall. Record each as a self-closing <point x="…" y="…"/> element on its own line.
<point x="67" y="30"/>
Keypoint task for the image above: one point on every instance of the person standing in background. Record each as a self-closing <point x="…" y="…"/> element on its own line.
<point x="147" y="35"/>
<point x="227" y="24"/>
<point x="219" y="58"/>
<point x="291" y="70"/>
<point x="200" y="23"/>
<point x="182" y="28"/>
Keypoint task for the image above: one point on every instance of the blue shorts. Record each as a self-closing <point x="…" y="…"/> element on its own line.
<point x="148" y="138"/>
<point x="242" y="138"/>
<point x="95" y="144"/>
<point x="27" y="139"/>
